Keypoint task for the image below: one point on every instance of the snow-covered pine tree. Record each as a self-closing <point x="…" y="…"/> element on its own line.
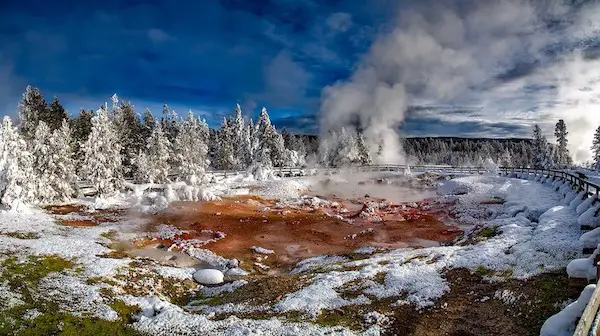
<point x="261" y="167"/>
<point x="345" y="152"/>
<point x="128" y="125"/>
<point x="225" y="156"/>
<point x="142" y="171"/>
<point x="269" y="138"/>
<point x="542" y="151"/>
<point x="63" y="165"/>
<point x="596" y="150"/>
<point x="364" y="154"/>
<point x="204" y="134"/>
<point x="148" y="125"/>
<point x="102" y="156"/>
<point x="16" y="172"/>
<point x="56" y="113"/>
<point x="158" y="151"/>
<point x="40" y="152"/>
<point x="506" y="159"/>
<point x="190" y="151"/>
<point x="54" y="165"/>
<point x="169" y="122"/>
<point x="246" y="148"/>
<point x="31" y="108"/>
<point x="237" y="132"/>
<point x="562" y="152"/>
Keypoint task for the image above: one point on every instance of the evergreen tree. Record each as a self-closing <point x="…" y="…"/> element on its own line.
<point x="32" y="107"/>
<point x="506" y="159"/>
<point x="238" y="130"/>
<point x="40" y="152"/>
<point x="81" y="127"/>
<point x="102" y="156"/>
<point x="562" y="153"/>
<point x="596" y="150"/>
<point x="148" y="125"/>
<point x="158" y="151"/>
<point x="55" y="116"/>
<point x="53" y="164"/>
<point x="16" y="173"/>
<point x="542" y="151"/>
<point x="169" y="123"/>
<point x="142" y="173"/>
<point x="268" y="137"/>
<point x="129" y="128"/>
<point x="225" y="157"/>
<point x="364" y="154"/>
<point x="190" y="150"/>
<point x="345" y="152"/>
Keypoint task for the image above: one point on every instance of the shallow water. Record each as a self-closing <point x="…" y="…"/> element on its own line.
<point x="357" y="185"/>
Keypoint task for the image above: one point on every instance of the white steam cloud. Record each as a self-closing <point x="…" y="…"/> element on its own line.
<point x="462" y="53"/>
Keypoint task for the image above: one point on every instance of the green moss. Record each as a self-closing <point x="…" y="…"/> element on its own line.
<point x="112" y="234"/>
<point x="65" y="324"/>
<point x="21" y="235"/>
<point x="488" y="232"/>
<point x="24" y="277"/>
<point x="483" y="271"/>
<point x="147" y="283"/>
<point x="125" y="311"/>
<point x="34" y="269"/>
<point x="339" y="318"/>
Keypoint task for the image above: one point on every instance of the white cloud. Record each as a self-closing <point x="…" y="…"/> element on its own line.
<point x="447" y="55"/>
<point x="286" y="80"/>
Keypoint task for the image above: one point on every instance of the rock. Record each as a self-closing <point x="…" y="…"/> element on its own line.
<point x="208" y="276"/>
<point x="233" y="263"/>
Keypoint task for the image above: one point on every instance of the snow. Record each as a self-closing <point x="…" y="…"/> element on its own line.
<point x="581" y="208"/>
<point x="261" y="250"/>
<point x="535" y="235"/>
<point x="563" y="323"/>
<point x="584" y="267"/>
<point x="542" y="239"/>
<point x="208" y="276"/>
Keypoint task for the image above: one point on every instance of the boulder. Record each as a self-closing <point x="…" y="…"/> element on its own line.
<point x="208" y="276"/>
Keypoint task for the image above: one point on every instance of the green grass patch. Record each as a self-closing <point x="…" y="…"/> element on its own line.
<point x="21" y="235"/>
<point x="23" y="277"/>
<point x="488" y="232"/>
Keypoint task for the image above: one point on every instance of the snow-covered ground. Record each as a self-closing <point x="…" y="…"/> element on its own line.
<point x="535" y="231"/>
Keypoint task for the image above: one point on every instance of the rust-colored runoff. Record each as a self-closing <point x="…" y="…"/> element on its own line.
<point x="298" y="232"/>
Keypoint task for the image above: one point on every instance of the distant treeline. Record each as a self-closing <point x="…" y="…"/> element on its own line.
<point x="456" y="151"/>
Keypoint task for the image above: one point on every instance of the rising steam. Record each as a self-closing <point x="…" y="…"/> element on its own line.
<point x="463" y="52"/>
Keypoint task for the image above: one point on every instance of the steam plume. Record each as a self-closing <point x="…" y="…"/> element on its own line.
<point x="455" y="52"/>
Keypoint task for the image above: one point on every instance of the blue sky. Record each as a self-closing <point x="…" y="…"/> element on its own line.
<point x="494" y="67"/>
<point x="199" y="55"/>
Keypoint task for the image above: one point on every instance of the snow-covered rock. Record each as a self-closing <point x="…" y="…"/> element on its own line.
<point x="563" y="323"/>
<point x="208" y="276"/>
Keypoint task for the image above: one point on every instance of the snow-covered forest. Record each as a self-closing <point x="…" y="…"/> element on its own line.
<point x="46" y="151"/>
